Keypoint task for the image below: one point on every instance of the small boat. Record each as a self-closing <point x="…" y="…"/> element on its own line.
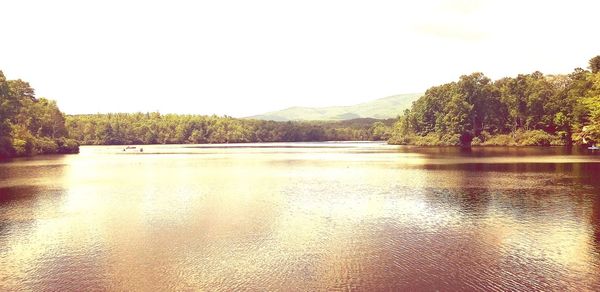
<point x="593" y="147"/>
<point x="132" y="148"/>
<point x="129" y="148"/>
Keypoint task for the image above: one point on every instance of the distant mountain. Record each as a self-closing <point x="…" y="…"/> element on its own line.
<point x="383" y="108"/>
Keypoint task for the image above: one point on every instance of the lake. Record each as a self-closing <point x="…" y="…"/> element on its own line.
<point x="301" y="217"/>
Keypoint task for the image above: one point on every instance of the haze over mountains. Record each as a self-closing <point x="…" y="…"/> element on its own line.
<point x="383" y="108"/>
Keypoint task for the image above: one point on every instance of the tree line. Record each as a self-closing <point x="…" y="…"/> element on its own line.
<point x="30" y="125"/>
<point x="156" y="128"/>
<point x="530" y="109"/>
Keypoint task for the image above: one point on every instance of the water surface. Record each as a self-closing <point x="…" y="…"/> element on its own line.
<point x="301" y="216"/>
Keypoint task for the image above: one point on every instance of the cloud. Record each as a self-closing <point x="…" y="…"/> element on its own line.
<point x="453" y="19"/>
<point x="464" y="7"/>
<point x="451" y="31"/>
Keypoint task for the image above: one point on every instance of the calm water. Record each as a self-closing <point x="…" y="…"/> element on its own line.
<point x="301" y="216"/>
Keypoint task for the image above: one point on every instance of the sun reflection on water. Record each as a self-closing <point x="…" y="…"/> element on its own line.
<point x="370" y="218"/>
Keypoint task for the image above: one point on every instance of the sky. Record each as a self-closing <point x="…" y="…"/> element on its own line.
<point x="241" y="58"/>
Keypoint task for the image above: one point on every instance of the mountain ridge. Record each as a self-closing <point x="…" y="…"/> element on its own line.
<point x="382" y="108"/>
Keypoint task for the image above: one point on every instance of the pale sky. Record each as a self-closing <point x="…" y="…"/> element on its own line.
<point x="248" y="57"/>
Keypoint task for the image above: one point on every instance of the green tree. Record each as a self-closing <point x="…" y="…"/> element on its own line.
<point x="29" y="125"/>
<point x="529" y="109"/>
<point x="595" y="64"/>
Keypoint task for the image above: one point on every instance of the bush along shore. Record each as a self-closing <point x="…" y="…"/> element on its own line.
<point x="517" y="138"/>
<point x="30" y="125"/>
<point x="527" y="110"/>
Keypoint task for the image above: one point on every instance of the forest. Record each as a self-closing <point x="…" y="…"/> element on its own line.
<point x="530" y="109"/>
<point x="30" y="125"/>
<point x="156" y="128"/>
